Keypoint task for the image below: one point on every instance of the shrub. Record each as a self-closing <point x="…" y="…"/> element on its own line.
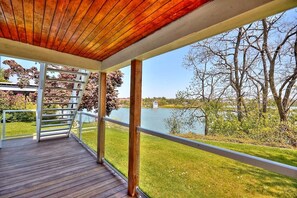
<point x="24" y="116"/>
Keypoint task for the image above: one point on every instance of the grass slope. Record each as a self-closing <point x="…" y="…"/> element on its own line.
<point x="169" y="169"/>
<point x="15" y="129"/>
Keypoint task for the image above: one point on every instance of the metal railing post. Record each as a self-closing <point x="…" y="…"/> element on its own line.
<point x="80" y="125"/>
<point x="4" y="125"/>
<point x="40" y="95"/>
<point x="3" y="128"/>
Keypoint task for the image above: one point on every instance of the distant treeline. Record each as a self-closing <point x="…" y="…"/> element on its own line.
<point x="162" y="102"/>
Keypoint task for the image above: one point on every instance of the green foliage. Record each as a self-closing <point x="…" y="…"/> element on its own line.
<point x="224" y="124"/>
<point x="2" y="79"/>
<point x="25" y="116"/>
<point x="173" y="124"/>
<point x="20" y="117"/>
<point x="10" y="101"/>
<point x="263" y="128"/>
<point x="4" y="101"/>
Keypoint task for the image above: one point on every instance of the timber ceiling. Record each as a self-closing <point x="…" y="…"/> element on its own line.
<point x="94" y="29"/>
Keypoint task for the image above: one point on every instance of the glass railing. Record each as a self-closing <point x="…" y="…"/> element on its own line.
<point x="85" y="129"/>
<point x="171" y="169"/>
<point x="171" y="166"/>
<point x="116" y="146"/>
<point x="116" y="140"/>
<point x="18" y="123"/>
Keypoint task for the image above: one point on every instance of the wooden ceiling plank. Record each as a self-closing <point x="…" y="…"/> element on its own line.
<point x="112" y="25"/>
<point x="140" y="14"/>
<point x="134" y="31"/>
<point x="19" y="19"/>
<point x="110" y="17"/>
<point x="82" y="11"/>
<point x="28" y="15"/>
<point x="69" y="15"/>
<point x="139" y="19"/>
<point x="90" y="15"/>
<point x="3" y="25"/>
<point x="105" y="10"/>
<point x="163" y="19"/>
<point x="56" y="24"/>
<point x="47" y="21"/>
<point x="39" y="9"/>
<point x="10" y="20"/>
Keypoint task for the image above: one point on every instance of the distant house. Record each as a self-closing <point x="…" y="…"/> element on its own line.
<point x="155" y="105"/>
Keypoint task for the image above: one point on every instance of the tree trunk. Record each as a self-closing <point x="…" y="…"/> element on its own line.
<point x="265" y="100"/>
<point x="283" y="116"/>
<point x="206" y="125"/>
<point x="278" y="101"/>
<point x="259" y="102"/>
<point x="239" y="108"/>
<point x="266" y="84"/>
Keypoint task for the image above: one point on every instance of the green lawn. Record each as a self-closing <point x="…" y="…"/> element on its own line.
<point x="16" y="129"/>
<point x="20" y="129"/>
<point x="172" y="170"/>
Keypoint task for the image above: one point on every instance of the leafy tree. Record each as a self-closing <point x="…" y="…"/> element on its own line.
<point x="2" y="79"/>
<point x="90" y="97"/>
<point x="5" y="100"/>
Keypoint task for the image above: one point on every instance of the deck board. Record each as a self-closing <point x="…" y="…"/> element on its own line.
<point x="54" y="168"/>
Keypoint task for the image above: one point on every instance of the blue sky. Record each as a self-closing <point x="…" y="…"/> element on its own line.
<point x="163" y="75"/>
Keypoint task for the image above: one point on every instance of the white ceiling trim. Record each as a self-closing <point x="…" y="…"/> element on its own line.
<point x="30" y="52"/>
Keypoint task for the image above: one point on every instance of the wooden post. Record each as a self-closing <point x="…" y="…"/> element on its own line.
<point x="101" y="115"/>
<point x="134" y="137"/>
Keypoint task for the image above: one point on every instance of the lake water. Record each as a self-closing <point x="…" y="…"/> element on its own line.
<point x="153" y="119"/>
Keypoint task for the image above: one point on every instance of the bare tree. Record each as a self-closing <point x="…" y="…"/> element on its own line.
<point x="259" y="75"/>
<point x="202" y="99"/>
<point x="232" y="56"/>
<point x="279" y="46"/>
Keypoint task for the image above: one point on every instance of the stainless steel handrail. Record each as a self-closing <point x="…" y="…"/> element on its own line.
<point x="116" y="122"/>
<point x="88" y="114"/>
<point x="270" y="165"/>
<point x="266" y="164"/>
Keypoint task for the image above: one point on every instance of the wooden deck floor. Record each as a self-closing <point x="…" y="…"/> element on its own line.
<point x="54" y="168"/>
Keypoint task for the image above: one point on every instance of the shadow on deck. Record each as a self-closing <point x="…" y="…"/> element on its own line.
<point x="54" y="168"/>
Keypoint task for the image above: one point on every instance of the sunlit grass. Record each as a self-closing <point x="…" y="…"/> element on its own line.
<point x="17" y="129"/>
<point x="172" y="170"/>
